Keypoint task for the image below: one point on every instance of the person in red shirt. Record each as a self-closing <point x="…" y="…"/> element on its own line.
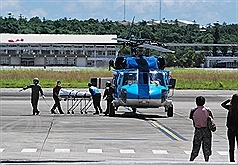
<point x="202" y="134"/>
<point x="56" y="90"/>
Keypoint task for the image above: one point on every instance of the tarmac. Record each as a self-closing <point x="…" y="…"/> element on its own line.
<point x="147" y="137"/>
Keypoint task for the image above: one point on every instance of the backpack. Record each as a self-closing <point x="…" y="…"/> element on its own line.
<point x="211" y="123"/>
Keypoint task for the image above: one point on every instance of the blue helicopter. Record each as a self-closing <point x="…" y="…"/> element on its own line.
<point x="142" y="82"/>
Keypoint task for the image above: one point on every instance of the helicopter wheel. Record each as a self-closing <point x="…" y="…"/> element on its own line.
<point x="134" y="110"/>
<point x="170" y="111"/>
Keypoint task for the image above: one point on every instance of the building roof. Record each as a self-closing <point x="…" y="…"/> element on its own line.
<point x="186" y="22"/>
<point x="57" y="38"/>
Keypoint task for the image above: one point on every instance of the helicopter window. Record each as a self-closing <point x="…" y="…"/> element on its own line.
<point x="157" y="78"/>
<point x="130" y="78"/>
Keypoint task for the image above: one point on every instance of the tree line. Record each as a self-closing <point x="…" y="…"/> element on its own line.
<point x="161" y="33"/>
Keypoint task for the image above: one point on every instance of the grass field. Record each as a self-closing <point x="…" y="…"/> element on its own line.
<point x="186" y="78"/>
<point x="206" y="79"/>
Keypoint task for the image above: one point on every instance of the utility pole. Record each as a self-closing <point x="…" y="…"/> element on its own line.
<point x="160" y="12"/>
<point x="124" y="10"/>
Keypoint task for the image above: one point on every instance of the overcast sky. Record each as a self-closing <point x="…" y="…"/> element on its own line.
<point x="202" y="11"/>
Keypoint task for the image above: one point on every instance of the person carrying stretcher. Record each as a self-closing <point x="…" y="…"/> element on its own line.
<point x="96" y="95"/>
<point x="56" y="90"/>
<point x="108" y="94"/>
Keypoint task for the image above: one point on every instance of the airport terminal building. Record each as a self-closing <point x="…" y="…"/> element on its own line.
<point x="57" y="50"/>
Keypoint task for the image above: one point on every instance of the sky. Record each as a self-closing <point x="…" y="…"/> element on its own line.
<point x="202" y="12"/>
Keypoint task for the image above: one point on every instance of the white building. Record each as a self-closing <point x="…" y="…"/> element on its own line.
<point x="57" y="50"/>
<point x="221" y="62"/>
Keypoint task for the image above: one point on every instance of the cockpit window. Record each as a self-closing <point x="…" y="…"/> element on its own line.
<point x="157" y="78"/>
<point x="130" y="78"/>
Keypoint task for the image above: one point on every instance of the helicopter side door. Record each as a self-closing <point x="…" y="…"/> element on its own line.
<point x="118" y="86"/>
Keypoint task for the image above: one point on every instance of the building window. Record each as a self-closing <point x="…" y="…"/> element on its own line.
<point x="71" y="61"/>
<point x="100" y="47"/>
<point x="45" y="51"/>
<point x="111" y="47"/>
<point x="100" y="53"/>
<point x="79" y="52"/>
<point x="111" y="52"/>
<point x="4" y="60"/>
<point x="89" y="52"/>
<point x="67" y="52"/>
<point x="56" y="52"/>
<point x="12" y="52"/>
<point x="3" y="51"/>
<point x="78" y="46"/>
<point x="89" y="46"/>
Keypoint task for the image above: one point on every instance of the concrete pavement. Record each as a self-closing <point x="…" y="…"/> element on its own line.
<point x="148" y="137"/>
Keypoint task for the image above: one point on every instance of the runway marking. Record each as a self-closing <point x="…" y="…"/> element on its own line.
<point x="29" y="150"/>
<point x="184" y="147"/>
<point x="121" y="151"/>
<point x="224" y="153"/>
<point x="167" y="131"/>
<point x="127" y="151"/>
<point x="187" y="152"/>
<point x="62" y="150"/>
<point x="160" y="152"/>
<point x="95" y="151"/>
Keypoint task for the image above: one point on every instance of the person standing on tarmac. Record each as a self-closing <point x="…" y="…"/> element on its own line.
<point x="35" y="90"/>
<point x="108" y="94"/>
<point x="202" y="134"/>
<point x="96" y="95"/>
<point x="232" y="123"/>
<point x="56" y="90"/>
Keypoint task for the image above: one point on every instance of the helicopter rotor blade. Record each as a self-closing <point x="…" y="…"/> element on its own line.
<point x="131" y="25"/>
<point x="160" y="49"/>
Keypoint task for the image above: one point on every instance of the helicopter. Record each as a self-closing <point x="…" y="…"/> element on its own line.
<point x="142" y="82"/>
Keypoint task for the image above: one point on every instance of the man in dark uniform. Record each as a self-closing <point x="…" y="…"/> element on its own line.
<point x="96" y="95"/>
<point x="56" y="90"/>
<point x="36" y="89"/>
<point x="108" y="94"/>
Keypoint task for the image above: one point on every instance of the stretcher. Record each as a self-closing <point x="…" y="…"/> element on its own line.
<point x="81" y="99"/>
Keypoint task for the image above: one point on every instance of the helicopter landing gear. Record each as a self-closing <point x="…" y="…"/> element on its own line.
<point x="170" y="111"/>
<point x="134" y="110"/>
